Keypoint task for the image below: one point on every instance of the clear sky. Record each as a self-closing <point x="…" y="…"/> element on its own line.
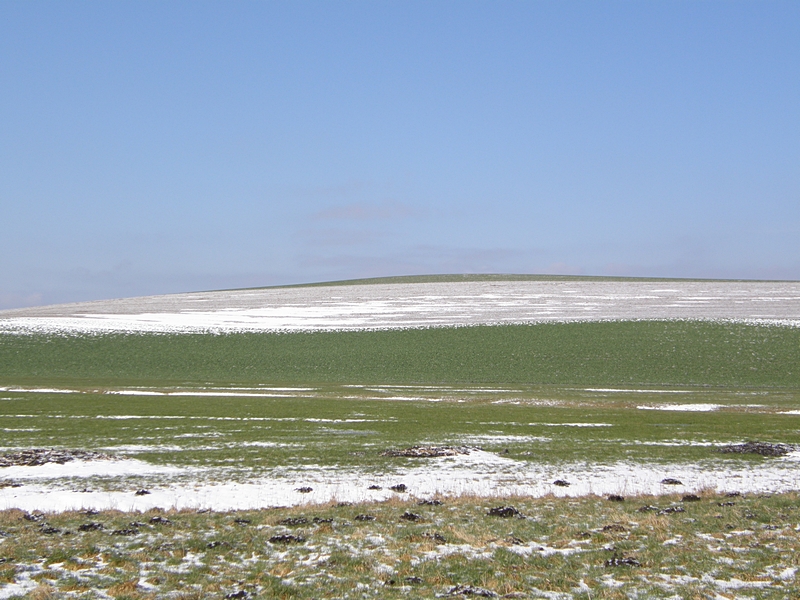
<point x="156" y="147"/>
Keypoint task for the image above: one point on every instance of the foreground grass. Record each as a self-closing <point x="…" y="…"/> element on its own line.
<point x="562" y="548"/>
<point x="591" y="354"/>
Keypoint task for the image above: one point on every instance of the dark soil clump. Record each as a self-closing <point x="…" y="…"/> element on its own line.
<point x="470" y="590"/>
<point x="505" y="512"/>
<point x="429" y="451"/>
<point x="760" y="448"/>
<point x="287" y="539"/>
<point x="36" y="457"/>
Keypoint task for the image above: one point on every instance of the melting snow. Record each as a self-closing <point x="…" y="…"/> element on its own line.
<point x="409" y="305"/>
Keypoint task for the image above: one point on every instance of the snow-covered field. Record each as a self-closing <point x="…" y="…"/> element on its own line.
<point x="479" y="473"/>
<point x="394" y="306"/>
<point x="408" y="305"/>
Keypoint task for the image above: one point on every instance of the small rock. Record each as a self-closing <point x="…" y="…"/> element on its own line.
<point x="90" y="512"/>
<point x="400" y="487"/>
<point x="124" y="532"/>
<point x="293" y="521"/>
<point x="242" y="521"/>
<point x="616" y="498"/>
<point x="671" y="510"/>
<point x="239" y="594"/>
<point x="90" y="527"/>
<point x="430" y="503"/>
<point x="413" y="580"/>
<point x="733" y="494"/>
<point x="35" y="517"/>
<point x="160" y="521"/>
<point x="436" y="537"/>
<point x="142" y="492"/>
<point x="622" y="561"/>
<point x="409" y="516"/>
<point x="217" y="544"/>
<point x="470" y="590"/>
<point x="305" y="489"/>
<point x="728" y="503"/>
<point x="374" y="487"/>
<point x="614" y="527"/>
<point x="690" y="498"/>
<point x="321" y="521"/>
<point x="671" y="481"/>
<point x="287" y="539"/>
<point x="561" y="483"/>
<point x="364" y="518"/>
<point x="48" y="530"/>
<point x="505" y="512"/>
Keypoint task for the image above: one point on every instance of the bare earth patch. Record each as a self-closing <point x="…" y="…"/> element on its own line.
<point x="35" y="457"/>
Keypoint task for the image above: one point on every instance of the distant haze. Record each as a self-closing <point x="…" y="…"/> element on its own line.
<point x="152" y="148"/>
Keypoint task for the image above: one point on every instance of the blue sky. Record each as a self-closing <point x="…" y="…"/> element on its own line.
<point x="156" y="147"/>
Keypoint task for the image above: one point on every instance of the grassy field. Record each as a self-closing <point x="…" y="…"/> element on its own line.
<point x="666" y="547"/>
<point x="348" y="396"/>
<point x="345" y="426"/>
<point x="262" y="407"/>
<point x="604" y="354"/>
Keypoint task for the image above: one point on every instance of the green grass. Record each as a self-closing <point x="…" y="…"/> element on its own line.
<point x="348" y="427"/>
<point x="562" y="546"/>
<point x="646" y="353"/>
